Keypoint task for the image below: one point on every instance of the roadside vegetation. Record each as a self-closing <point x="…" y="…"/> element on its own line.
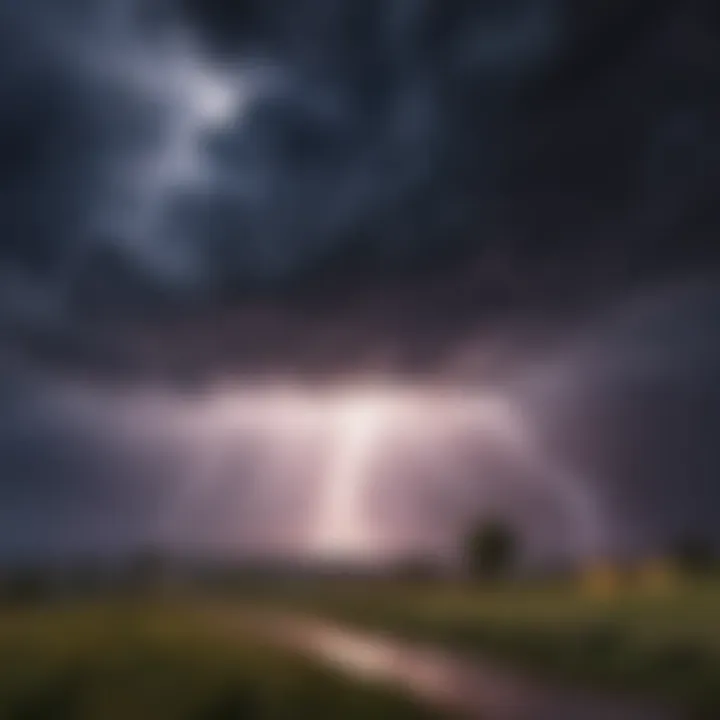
<point x="150" y="661"/>
<point x="650" y="627"/>
<point x="654" y="635"/>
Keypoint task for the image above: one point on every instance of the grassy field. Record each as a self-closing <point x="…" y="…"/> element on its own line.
<point x="661" y="642"/>
<point x="125" y="661"/>
<point x="182" y="660"/>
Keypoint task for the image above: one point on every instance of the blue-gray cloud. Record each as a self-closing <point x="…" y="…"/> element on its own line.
<point x="406" y="185"/>
<point x="220" y="145"/>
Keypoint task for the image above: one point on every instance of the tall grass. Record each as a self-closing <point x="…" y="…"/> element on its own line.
<point x="142" y="662"/>
<point x="664" y="643"/>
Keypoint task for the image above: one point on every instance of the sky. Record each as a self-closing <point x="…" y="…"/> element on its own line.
<point x="319" y="277"/>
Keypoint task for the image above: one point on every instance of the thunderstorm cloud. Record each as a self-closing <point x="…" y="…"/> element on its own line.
<point x="515" y="198"/>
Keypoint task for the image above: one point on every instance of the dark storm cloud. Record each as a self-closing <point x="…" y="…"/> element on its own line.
<point x="634" y="400"/>
<point x="64" y="488"/>
<point x="62" y="136"/>
<point x="564" y="150"/>
<point x="202" y="188"/>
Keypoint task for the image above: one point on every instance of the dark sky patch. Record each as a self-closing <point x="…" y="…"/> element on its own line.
<point x="513" y="192"/>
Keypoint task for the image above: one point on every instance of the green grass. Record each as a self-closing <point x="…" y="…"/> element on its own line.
<point x="658" y="644"/>
<point x="126" y="661"/>
<point x="190" y="661"/>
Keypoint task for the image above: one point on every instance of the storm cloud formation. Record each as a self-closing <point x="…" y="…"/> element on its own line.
<point x="216" y="153"/>
<point x="472" y="191"/>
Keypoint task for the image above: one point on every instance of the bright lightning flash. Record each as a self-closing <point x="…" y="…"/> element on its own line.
<point x="357" y="433"/>
<point x="353" y="427"/>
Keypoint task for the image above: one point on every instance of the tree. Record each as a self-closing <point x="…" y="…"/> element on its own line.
<point x="694" y="554"/>
<point x="491" y="550"/>
<point x="25" y="586"/>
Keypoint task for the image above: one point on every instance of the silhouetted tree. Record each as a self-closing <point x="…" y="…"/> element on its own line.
<point x="491" y="550"/>
<point x="25" y="586"/>
<point x="694" y="554"/>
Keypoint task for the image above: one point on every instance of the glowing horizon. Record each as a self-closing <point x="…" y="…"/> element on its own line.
<point x="351" y="427"/>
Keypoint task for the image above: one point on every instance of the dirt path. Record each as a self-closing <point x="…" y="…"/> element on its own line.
<point x="468" y="688"/>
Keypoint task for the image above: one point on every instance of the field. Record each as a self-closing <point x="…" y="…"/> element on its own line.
<point x="660" y="642"/>
<point x="193" y="659"/>
<point x="150" y="661"/>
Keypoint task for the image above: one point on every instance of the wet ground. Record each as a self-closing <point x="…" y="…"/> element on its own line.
<point x="460" y="686"/>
